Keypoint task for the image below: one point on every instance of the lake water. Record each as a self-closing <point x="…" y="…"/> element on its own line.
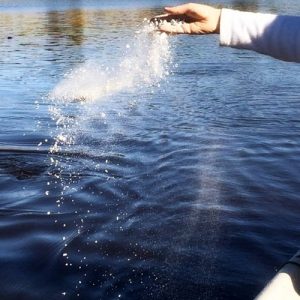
<point x="135" y="165"/>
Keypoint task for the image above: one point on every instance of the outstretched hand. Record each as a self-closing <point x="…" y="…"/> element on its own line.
<point x="193" y="19"/>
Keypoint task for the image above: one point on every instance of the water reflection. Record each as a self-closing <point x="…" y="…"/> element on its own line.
<point x="250" y="5"/>
<point x="69" y="24"/>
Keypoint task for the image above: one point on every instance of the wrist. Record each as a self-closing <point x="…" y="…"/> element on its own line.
<point x="218" y="21"/>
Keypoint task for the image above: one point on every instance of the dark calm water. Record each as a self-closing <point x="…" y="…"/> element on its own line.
<point x="139" y="166"/>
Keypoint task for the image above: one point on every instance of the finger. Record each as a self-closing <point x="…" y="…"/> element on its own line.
<point x="159" y="18"/>
<point x="178" y="10"/>
<point x="170" y="17"/>
<point x="168" y="27"/>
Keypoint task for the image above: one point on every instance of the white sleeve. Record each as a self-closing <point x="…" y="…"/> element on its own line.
<point x="277" y="36"/>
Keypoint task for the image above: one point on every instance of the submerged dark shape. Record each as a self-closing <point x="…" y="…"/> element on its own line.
<point x="22" y="167"/>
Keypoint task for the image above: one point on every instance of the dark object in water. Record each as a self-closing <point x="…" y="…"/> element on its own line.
<point x="21" y="167"/>
<point x="9" y="37"/>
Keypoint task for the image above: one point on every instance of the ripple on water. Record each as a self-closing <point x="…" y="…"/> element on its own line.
<point x="165" y="180"/>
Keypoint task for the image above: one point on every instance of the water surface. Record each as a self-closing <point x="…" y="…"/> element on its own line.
<point x="140" y="166"/>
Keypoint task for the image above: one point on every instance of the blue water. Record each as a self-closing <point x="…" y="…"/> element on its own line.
<point x="140" y="166"/>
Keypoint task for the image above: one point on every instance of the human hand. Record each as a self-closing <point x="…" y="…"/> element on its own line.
<point x="193" y="19"/>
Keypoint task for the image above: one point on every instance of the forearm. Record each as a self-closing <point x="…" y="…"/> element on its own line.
<point x="277" y="36"/>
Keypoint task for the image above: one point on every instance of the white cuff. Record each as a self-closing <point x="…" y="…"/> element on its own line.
<point x="226" y="27"/>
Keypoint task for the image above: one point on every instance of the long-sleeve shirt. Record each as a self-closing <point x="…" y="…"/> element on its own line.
<point x="277" y="36"/>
